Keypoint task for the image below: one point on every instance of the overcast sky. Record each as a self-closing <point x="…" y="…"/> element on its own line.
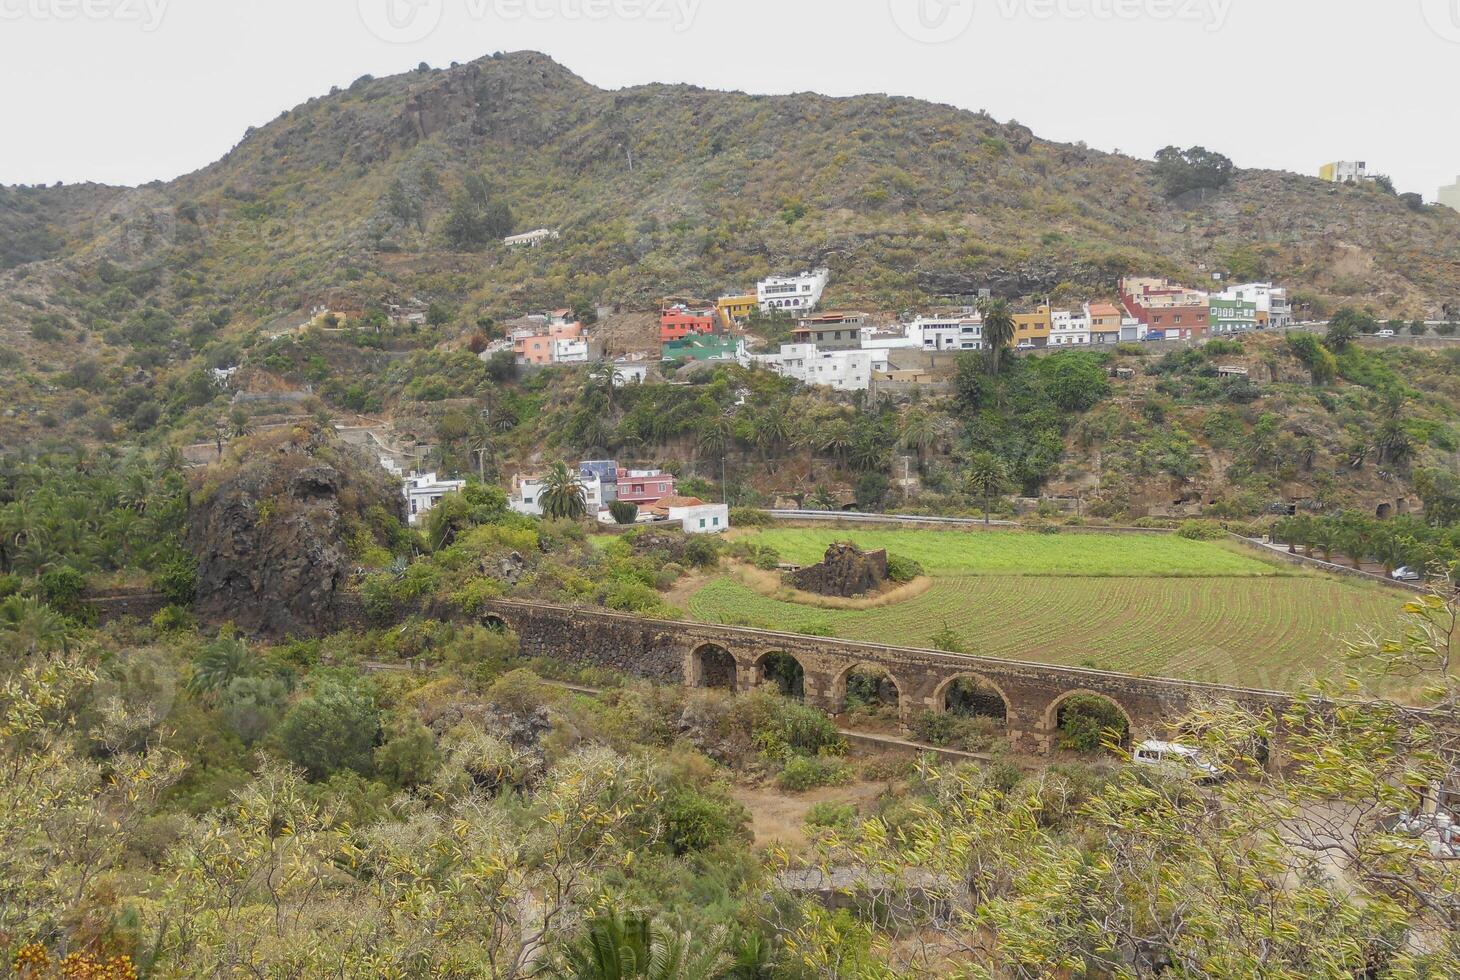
<point x="126" y="91"/>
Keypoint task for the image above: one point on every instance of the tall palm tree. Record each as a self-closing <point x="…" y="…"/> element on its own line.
<point x="772" y="428"/>
<point x="562" y="493"/>
<point x="836" y="438"/>
<point x="917" y="432"/>
<point x="987" y="478"/>
<point x="714" y="435"/>
<point x="998" y="331"/>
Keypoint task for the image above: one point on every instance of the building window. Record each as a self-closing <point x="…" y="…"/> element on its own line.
<point x="702" y="522"/>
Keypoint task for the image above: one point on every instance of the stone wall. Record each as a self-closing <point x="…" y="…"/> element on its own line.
<point x="688" y="652"/>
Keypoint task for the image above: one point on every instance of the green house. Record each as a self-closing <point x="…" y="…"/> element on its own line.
<point x="1231" y="316"/>
<point x="706" y="347"/>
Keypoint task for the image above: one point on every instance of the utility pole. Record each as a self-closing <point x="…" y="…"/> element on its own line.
<point x="724" y="483"/>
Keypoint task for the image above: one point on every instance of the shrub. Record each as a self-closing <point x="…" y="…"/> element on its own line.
<point x="901" y="569"/>
<point x="804" y="772"/>
<point x="830" y="814"/>
<point x="173" y="619"/>
<point x="702" y="551"/>
<point x="520" y="692"/>
<point x="1201" y="531"/>
<point x="64" y="590"/>
<point x="695" y="821"/>
<point x="780" y="726"/>
<point x="1084" y="722"/>
<point x="623" y="512"/>
<point x="748" y="517"/>
<point x="334" y="729"/>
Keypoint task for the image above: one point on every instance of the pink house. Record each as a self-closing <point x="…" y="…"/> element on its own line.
<point x="537" y="348"/>
<point x="644" y="487"/>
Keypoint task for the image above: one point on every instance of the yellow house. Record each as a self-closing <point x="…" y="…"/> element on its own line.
<point x="1032" y="329"/>
<point x="733" y="308"/>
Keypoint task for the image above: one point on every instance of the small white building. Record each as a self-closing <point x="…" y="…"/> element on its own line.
<point x="526" y="496"/>
<point x="1068" y="329"/>
<point x="947" y="333"/>
<point x="797" y="293"/>
<point x="423" y="491"/>
<point x="628" y="372"/>
<point x="570" y="350"/>
<point x="842" y="370"/>
<point x="702" y="518"/>
<point x="530" y="239"/>
<point x="1131" y="330"/>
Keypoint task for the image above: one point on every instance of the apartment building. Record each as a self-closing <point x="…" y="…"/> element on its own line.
<point x="1168" y="309"/>
<point x="680" y="321"/>
<point x="1069" y="329"/>
<point x="1033" y="329"/>
<point x="797" y="293"/>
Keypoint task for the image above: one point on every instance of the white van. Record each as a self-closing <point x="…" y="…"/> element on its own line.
<point x="1173" y="755"/>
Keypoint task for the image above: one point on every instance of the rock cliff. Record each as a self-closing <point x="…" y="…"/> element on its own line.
<point x="272" y="526"/>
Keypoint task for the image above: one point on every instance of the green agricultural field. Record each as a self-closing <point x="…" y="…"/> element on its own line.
<point x="974" y="552"/>
<point x="1202" y="611"/>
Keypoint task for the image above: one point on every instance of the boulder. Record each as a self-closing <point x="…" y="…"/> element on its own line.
<point x="846" y="571"/>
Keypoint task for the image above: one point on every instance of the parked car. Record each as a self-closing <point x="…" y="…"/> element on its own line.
<point x="1175" y="756"/>
<point x="1386" y="333"/>
<point x="1026" y="345"/>
<point x="1404" y="574"/>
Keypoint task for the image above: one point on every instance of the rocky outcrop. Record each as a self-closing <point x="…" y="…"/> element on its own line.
<point x="846" y="571"/>
<point x="270" y="529"/>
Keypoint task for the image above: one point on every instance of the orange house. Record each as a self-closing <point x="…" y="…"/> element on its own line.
<point x="678" y="322"/>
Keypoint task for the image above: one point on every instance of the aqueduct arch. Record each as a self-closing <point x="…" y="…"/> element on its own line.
<point x="892" y="692"/>
<point x="1053" y="720"/>
<point x="711" y="665"/>
<point x="784" y="670"/>
<point x="972" y="695"/>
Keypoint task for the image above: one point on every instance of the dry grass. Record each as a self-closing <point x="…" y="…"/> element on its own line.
<point x="772" y="586"/>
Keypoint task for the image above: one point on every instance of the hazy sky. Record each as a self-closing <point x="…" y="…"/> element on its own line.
<point x="126" y="91"/>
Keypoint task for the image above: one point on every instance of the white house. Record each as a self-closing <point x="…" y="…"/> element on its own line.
<point x="1273" y="306"/>
<point x="702" y="518"/>
<point x="423" y="491"/>
<point x="797" y="293"/>
<point x="570" y="350"/>
<point x="530" y="239"/>
<point x="625" y="372"/>
<point x="843" y="370"/>
<point x="526" y="496"/>
<point x="1068" y="329"/>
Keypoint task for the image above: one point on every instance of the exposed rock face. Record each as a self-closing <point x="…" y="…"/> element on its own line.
<point x="270" y="531"/>
<point x="846" y="571"/>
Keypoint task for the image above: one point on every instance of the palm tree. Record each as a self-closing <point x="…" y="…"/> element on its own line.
<point x="836" y="438"/>
<point x="218" y="664"/>
<point x="998" y="331"/>
<point x="821" y="499"/>
<point x="31" y="627"/>
<point x="772" y="428"/>
<point x="987" y="477"/>
<point x="618" y="947"/>
<point x="239" y="424"/>
<point x="714" y="435"/>
<point x="917" y="432"/>
<point x="562" y="493"/>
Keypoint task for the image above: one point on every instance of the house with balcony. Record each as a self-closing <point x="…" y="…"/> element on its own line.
<point x="680" y="321"/>
<point x="1229" y="316"/>
<point x="831" y="331"/>
<point x="1067" y="329"/>
<point x="797" y="294"/>
<point x="643" y="487"/>
<point x="1274" y="309"/>
<point x="424" y="491"/>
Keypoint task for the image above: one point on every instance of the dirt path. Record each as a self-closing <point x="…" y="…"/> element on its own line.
<point x="778" y="816"/>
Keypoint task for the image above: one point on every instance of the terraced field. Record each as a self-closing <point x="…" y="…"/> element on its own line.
<point x="1253" y="624"/>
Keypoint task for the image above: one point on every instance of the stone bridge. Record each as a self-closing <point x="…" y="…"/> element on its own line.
<point x="1025" y="697"/>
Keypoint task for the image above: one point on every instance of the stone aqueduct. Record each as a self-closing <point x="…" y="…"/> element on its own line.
<point x="735" y="658"/>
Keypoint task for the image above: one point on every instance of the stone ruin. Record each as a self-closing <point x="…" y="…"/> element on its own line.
<point x="846" y="571"/>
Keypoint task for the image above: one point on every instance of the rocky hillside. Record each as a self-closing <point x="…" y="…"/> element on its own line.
<point x="280" y="527"/>
<point x="674" y="188"/>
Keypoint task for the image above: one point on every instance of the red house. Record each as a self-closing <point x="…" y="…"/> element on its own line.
<point x="644" y="487"/>
<point x="678" y="322"/>
<point x="1166" y="307"/>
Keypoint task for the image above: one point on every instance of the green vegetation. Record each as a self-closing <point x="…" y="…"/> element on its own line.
<point x="951" y="552"/>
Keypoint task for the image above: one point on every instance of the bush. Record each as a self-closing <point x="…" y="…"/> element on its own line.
<point x="805" y="772"/>
<point x="64" y="590"/>
<point x="520" y="692"/>
<point x="702" y="551"/>
<point x="334" y="729"/>
<point x="749" y="517"/>
<point x="623" y="512"/>
<point x="829" y="814"/>
<point x="780" y="726"/>
<point x="901" y="569"/>
<point x="173" y="619"/>
<point x="1084" y="722"/>
<point x="695" y="821"/>
<point x="1201" y="531"/>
